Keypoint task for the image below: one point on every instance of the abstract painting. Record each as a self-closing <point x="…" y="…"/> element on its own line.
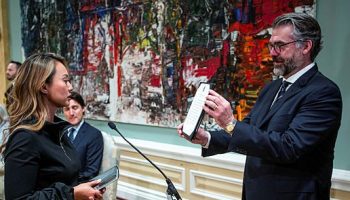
<point x="141" y="61"/>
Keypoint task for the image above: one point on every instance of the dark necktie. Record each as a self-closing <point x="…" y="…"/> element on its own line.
<point x="71" y="134"/>
<point x="282" y="90"/>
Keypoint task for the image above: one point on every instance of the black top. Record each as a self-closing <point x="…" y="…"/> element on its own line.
<point x="42" y="164"/>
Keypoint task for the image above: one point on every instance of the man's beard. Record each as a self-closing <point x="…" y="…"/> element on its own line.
<point x="10" y="78"/>
<point x="285" y="68"/>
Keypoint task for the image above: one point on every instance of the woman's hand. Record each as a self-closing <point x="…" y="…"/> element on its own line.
<point x="86" y="191"/>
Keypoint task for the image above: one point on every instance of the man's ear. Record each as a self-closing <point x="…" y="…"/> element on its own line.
<point x="307" y="46"/>
<point x="44" y="89"/>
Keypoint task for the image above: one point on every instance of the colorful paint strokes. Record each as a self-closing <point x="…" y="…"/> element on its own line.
<point x="141" y="61"/>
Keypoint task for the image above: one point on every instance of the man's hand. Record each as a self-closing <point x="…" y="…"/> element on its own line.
<point x="201" y="137"/>
<point x="219" y="108"/>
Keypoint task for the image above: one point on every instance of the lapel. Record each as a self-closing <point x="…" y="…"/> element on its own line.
<point x="80" y="135"/>
<point x="266" y="101"/>
<point x="295" y="88"/>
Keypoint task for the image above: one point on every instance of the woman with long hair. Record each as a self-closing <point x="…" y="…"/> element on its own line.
<point x="40" y="162"/>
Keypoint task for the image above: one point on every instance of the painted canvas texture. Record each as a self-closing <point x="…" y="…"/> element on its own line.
<point x="141" y="61"/>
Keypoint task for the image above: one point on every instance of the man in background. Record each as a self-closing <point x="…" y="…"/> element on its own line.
<point x="11" y="72"/>
<point x="12" y="69"/>
<point x="87" y="140"/>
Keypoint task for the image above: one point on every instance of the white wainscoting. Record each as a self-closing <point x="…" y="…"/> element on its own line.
<point x="228" y="161"/>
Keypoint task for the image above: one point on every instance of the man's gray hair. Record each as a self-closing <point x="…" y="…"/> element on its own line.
<point x="305" y="28"/>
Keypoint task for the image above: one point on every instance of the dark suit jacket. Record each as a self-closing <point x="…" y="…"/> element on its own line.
<point x="89" y="145"/>
<point x="290" y="147"/>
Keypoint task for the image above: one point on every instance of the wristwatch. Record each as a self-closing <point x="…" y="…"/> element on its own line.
<point x="230" y="127"/>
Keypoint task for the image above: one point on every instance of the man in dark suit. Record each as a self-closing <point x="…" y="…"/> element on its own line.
<point x="87" y="140"/>
<point x="290" y="134"/>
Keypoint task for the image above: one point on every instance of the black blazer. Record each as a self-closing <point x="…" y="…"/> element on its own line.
<point x="290" y="146"/>
<point x="41" y="164"/>
<point x="89" y="145"/>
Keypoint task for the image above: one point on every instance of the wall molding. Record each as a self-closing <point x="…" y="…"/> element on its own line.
<point x="341" y="179"/>
<point x="193" y="189"/>
<point x="134" y="192"/>
<point x="157" y="181"/>
<point x="229" y="161"/>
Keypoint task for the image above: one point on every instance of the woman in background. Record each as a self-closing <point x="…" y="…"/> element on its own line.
<point x="3" y="121"/>
<point x="40" y="162"/>
<point x="3" y="127"/>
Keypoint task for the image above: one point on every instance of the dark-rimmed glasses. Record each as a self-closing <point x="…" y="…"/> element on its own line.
<point x="278" y="46"/>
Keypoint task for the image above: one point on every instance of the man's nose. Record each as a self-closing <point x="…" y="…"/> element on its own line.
<point x="273" y="52"/>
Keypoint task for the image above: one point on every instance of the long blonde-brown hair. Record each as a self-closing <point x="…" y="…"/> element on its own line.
<point x="28" y="101"/>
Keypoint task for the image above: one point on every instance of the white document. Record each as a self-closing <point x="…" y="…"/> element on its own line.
<point x="195" y="114"/>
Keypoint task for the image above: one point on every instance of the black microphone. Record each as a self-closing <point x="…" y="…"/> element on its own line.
<point x="171" y="191"/>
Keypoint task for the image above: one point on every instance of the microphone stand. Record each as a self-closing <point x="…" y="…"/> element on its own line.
<point x="171" y="191"/>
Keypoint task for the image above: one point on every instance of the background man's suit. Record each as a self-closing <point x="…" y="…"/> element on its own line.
<point x="89" y="145"/>
<point x="289" y="146"/>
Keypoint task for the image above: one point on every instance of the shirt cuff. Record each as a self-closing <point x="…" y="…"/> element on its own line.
<point x="206" y="146"/>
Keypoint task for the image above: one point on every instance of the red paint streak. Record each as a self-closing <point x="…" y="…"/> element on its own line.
<point x="119" y="83"/>
<point x="266" y="11"/>
<point x="247" y="29"/>
<point x="155" y="80"/>
<point x="208" y="67"/>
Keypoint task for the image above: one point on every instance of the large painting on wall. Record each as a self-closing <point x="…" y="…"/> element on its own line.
<point x="141" y="61"/>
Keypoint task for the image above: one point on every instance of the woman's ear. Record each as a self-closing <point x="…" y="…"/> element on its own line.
<point x="44" y="89"/>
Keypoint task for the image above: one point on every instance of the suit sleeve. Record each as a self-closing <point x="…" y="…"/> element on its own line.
<point x="22" y="160"/>
<point x="220" y="140"/>
<point x="94" y="153"/>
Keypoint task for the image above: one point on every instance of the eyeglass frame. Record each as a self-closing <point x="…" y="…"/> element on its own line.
<point x="277" y="47"/>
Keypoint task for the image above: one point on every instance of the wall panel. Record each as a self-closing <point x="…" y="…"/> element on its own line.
<point x="218" y="177"/>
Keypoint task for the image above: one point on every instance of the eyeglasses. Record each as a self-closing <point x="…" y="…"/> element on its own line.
<point x="278" y="47"/>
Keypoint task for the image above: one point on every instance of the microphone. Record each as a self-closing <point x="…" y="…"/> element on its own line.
<point x="171" y="191"/>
